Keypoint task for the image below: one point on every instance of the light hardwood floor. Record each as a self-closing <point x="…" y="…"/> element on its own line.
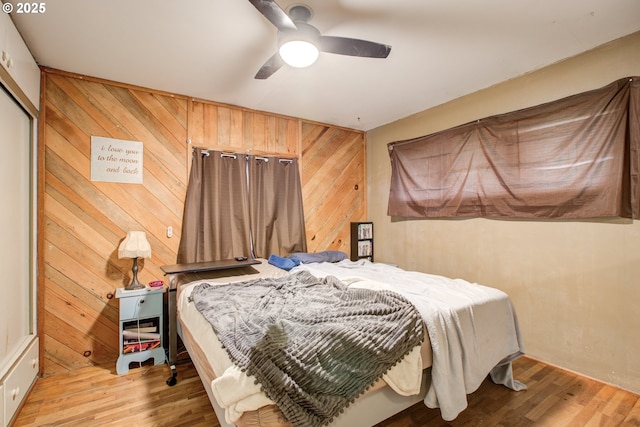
<point x="96" y="396"/>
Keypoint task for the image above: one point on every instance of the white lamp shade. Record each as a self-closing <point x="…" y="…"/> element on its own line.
<point x="299" y="53"/>
<point x="135" y="245"/>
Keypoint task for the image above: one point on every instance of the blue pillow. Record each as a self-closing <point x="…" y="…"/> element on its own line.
<point x="335" y="256"/>
<point x="283" y="263"/>
<point x="324" y="256"/>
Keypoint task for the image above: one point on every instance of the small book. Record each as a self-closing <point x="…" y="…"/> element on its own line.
<point x="141" y="346"/>
<point x="140" y="335"/>
<point x="142" y="329"/>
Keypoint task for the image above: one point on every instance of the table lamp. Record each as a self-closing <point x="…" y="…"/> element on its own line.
<point x="135" y="245"/>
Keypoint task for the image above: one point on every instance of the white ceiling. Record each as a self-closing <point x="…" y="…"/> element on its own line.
<point x="211" y="49"/>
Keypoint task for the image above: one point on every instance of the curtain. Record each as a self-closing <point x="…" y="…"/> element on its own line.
<point x="215" y="223"/>
<point x="275" y="203"/>
<point x="238" y="205"/>
<point x="572" y="158"/>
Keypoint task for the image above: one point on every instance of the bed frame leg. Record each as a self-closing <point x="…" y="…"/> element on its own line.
<point x="173" y="379"/>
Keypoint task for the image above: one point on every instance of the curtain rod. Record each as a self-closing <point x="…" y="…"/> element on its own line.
<point x="206" y="152"/>
<point x="266" y="159"/>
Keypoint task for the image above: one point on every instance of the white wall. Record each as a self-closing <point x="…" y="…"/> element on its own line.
<point x="575" y="284"/>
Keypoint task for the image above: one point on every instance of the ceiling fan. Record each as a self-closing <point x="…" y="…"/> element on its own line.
<point x="294" y="31"/>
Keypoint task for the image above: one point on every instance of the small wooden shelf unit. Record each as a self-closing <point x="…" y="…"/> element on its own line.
<point x="362" y="241"/>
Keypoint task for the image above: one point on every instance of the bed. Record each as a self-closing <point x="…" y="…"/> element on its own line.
<point x="471" y="331"/>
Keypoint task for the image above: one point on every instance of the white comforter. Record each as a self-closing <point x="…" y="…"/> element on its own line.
<point x="473" y="328"/>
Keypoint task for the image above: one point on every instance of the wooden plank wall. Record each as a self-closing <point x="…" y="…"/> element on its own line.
<point x="81" y="222"/>
<point x="333" y="184"/>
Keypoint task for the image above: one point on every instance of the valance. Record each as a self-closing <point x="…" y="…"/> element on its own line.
<point x="572" y="158"/>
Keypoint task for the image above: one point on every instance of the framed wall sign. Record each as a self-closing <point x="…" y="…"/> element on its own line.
<point x="116" y="160"/>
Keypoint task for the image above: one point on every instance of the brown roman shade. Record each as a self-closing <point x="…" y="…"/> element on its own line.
<point x="572" y="158"/>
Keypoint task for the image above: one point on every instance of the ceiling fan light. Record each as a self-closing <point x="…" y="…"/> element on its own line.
<point x="299" y="53"/>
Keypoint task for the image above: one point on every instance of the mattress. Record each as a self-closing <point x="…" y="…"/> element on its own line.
<point x="236" y="394"/>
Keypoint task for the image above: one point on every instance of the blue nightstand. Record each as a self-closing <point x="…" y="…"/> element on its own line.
<point x="141" y="336"/>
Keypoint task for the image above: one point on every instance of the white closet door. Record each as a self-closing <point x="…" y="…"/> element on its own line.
<point x="15" y="219"/>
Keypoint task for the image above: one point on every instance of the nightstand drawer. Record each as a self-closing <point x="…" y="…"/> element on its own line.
<point x="137" y="307"/>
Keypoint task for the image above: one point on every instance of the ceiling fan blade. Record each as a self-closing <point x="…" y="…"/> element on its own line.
<point x="274" y="14"/>
<point x="353" y="47"/>
<point x="272" y="65"/>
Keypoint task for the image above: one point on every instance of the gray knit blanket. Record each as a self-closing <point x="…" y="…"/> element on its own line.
<point x="314" y="345"/>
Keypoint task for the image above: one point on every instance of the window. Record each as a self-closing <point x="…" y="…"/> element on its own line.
<point x="572" y="158"/>
<point x="240" y="205"/>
